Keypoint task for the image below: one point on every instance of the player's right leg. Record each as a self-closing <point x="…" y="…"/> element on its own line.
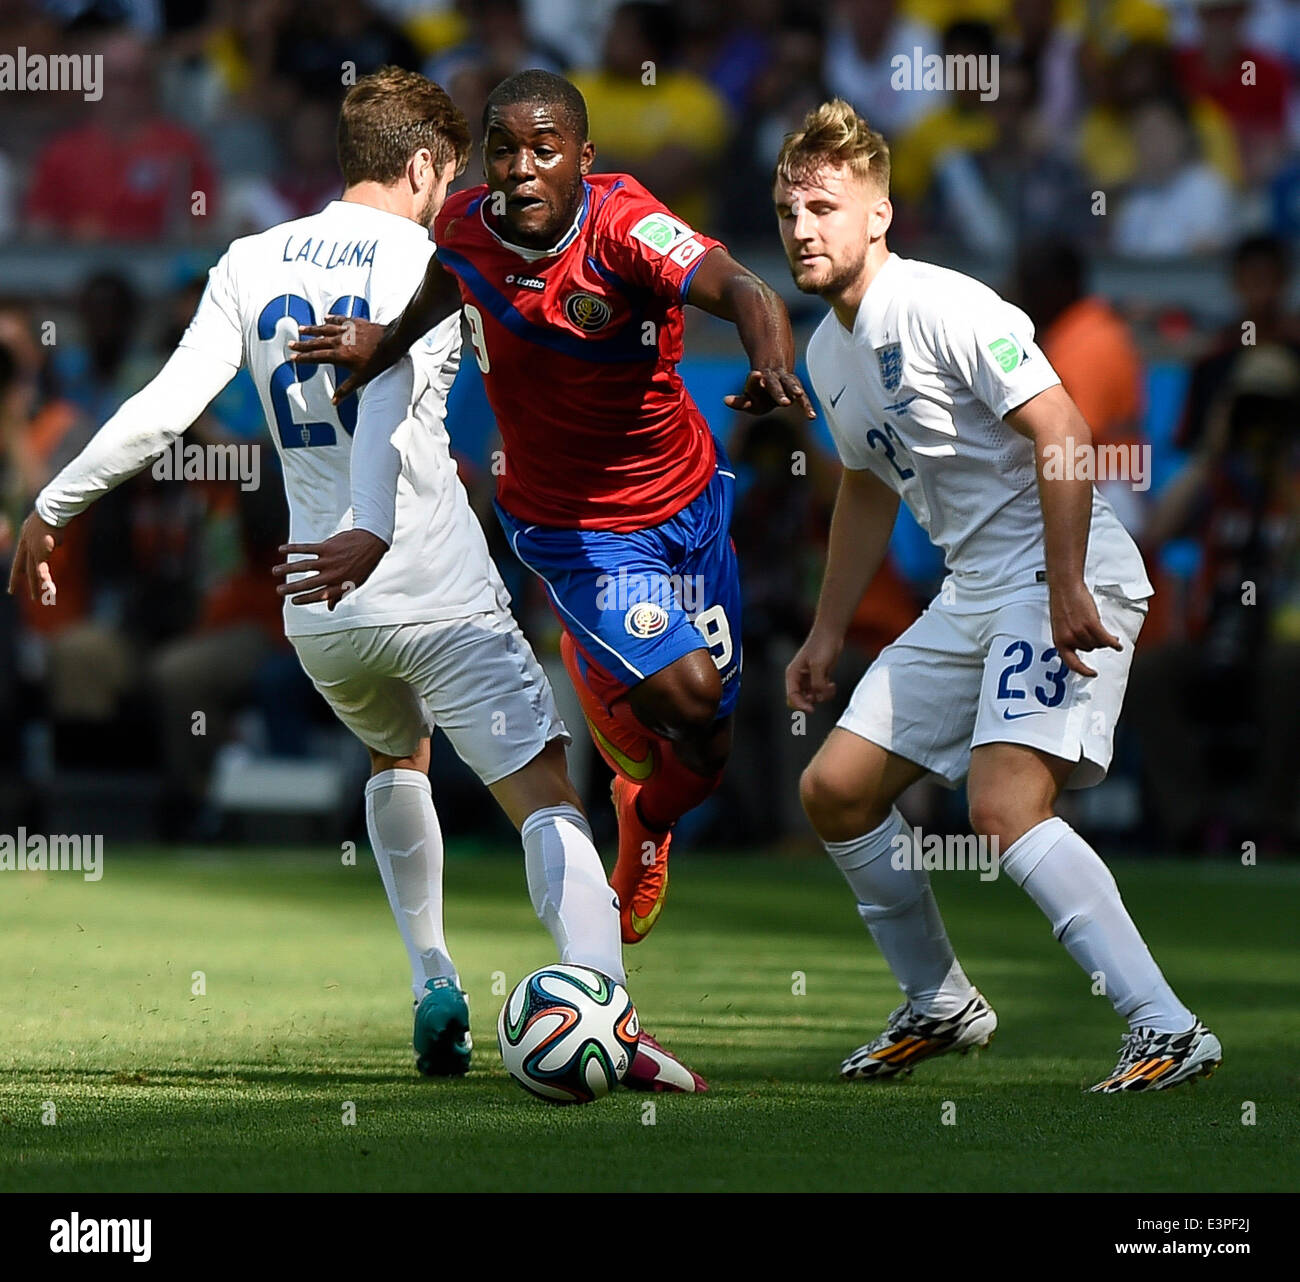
<point x="405" y="836"/>
<point x="848" y="792"/>
<point x="910" y="715"/>
<point x="653" y="648"/>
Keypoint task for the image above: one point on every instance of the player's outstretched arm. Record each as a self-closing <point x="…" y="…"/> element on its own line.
<point x="1053" y="422"/>
<point x="724" y="288"/>
<point x="133" y="438"/>
<point x="865" y="508"/>
<point x="367" y="349"/>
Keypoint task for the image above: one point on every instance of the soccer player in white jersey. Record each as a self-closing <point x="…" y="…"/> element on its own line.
<point x="936" y="394"/>
<point x="428" y="638"/>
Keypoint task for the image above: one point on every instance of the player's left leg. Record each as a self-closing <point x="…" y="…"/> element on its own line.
<point x="486" y="690"/>
<point x="1059" y="731"/>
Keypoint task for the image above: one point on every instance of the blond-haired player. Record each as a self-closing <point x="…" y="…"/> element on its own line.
<point x="936" y="394"/>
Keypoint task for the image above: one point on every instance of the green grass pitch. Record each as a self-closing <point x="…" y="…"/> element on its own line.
<point x="307" y="1009"/>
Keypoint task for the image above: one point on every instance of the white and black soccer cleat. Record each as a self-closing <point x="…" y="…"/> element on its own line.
<point x="910" y="1037"/>
<point x="1151" y="1061"/>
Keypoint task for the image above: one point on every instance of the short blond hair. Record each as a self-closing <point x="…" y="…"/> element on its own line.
<point x="835" y="135"/>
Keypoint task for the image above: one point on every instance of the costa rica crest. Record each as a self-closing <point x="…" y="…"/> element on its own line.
<point x="587" y="312"/>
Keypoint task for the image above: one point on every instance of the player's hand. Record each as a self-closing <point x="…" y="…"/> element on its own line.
<point x="338" y="340"/>
<point x="36" y="540"/>
<point x="808" y="678"/>
<point x="769" y="389"/>
<point x="338" y="566"/>
<point x="1076" y="626"/>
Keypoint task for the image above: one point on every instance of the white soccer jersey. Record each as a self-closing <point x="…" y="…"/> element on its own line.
<point x="917" y="394"/>
<point x="359" y="261"/>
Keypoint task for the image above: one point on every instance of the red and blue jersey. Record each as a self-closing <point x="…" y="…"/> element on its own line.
<point x="579" y="348"/>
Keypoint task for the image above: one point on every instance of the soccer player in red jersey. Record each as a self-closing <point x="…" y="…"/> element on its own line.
<point x="613" y="490"/>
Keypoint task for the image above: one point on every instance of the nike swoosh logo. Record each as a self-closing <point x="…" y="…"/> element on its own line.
<point x="642" y="924"/>
<point x="639" y="771"/>
<point x="836" y="397"/>
<point x="1008" y="715"/>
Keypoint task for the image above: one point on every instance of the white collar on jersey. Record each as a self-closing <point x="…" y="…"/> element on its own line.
<point x="351" y="206"/>
<point x="532" y="255"/>
<point x="875" y="298"/>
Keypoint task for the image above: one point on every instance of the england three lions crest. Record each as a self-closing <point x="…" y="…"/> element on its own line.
<point x="891" y="365"/>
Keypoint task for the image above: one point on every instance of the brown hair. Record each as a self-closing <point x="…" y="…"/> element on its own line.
<point x="389" y="115"/>
<point x="834" y="134"/>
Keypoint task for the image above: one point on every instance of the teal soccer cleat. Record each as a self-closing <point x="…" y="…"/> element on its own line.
<point x="443" y="1045"/>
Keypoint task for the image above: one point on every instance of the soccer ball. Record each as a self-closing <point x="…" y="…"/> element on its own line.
<point x="568" y="1033"/>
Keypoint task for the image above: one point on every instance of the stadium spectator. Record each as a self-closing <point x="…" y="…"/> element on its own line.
<point x="321" y="41"/>
<point x="126" y="173"/>
<point x="1049" y="51"/>
<point x="731" y="45"/>
<point x="1261" y="279"/>
<point x="864" y="38"/>
<point x="1093" y="350"/>
<point x="218" y="664"/>
<point x="1216" y="711"/>
<point x="663" y="125"/>
<point x="1251" y="85"/>
<point x="1144" y="70"/>
<point x="498" y="43"/>
<point x="979" y="165"/>
<point x="1021" y="186"/>
<point x="104" y="362"/>
<point x="1178" y="204"/>
<point x="788" y="87"/>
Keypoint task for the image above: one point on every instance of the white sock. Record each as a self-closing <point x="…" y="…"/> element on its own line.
<point x="1066" y="878"/>
<point x="898" y="908"/>
<point x="569" y="890"/>
<point x="407" y="842"/>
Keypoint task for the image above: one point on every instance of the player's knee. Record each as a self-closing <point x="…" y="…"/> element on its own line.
<point x="995" y="814"/>
<point x="683" y="701"/>
<point x="417" y="760"/>
<point x="837" y="809"/>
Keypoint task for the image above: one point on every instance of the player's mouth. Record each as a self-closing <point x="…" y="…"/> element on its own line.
<point x="522" y="204"/>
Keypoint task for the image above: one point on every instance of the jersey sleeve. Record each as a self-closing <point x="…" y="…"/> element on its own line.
<point x="990" y="347"/>
<point x="137" y="434"/>
<point x="215" y="329"/>
<point x="645" y="243"/>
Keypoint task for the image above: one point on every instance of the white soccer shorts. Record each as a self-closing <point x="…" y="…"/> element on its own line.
<point x="953" y="681"/>
<point x="475" y="678"/>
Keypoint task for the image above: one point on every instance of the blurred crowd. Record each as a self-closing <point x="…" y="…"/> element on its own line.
<point x="1133" y="129"/>
<point x="1151" y="129"/>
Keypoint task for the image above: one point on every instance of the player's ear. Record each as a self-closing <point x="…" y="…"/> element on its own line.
<point x="881" y="217"/>
<point x="586" y="157"/>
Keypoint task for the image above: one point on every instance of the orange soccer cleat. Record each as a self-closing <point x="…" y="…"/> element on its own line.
<point x="640" y="878"/>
